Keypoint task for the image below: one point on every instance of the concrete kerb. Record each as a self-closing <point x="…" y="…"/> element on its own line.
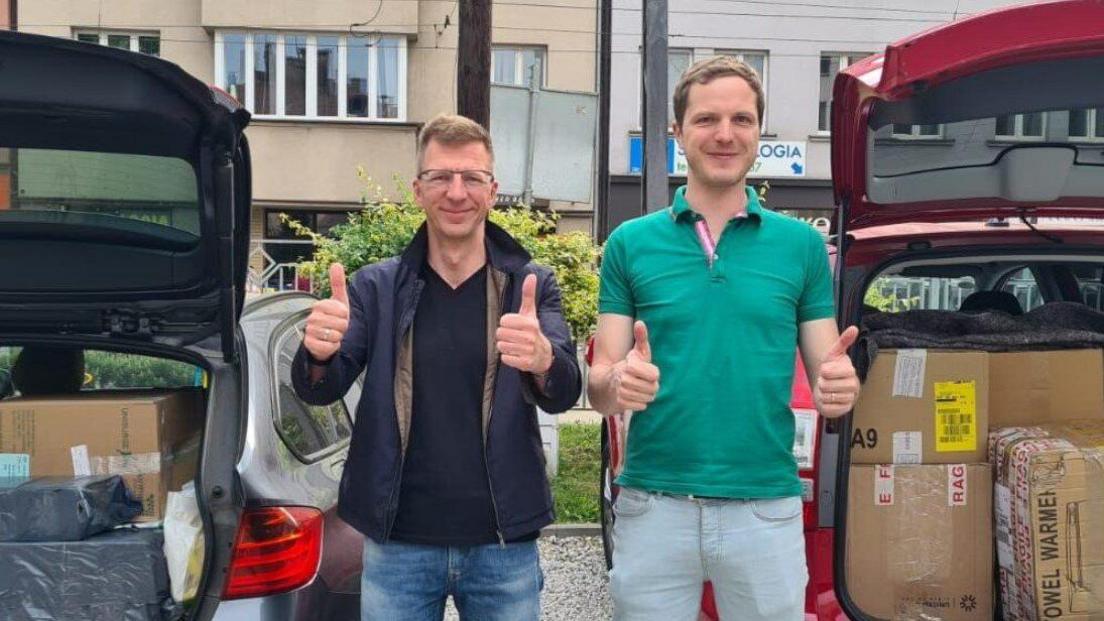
<point x="572" y="530"/>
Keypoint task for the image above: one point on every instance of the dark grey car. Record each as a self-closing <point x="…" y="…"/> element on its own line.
<point x="126" y="230"/>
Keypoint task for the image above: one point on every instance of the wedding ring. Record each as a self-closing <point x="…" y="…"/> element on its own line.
<point x="326" y="334"/>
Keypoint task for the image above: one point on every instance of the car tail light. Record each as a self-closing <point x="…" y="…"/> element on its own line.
<point x="277" y="549"/>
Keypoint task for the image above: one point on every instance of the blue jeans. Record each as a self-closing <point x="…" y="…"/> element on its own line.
<point x="666" y="547"/>
<point x="411" y="582"/>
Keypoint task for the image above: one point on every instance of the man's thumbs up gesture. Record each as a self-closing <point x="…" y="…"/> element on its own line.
<point x="519" y="338"/>
<point x="329" y="319"/>
<point x="837" y="384"/>
<point x="637" y="378"/>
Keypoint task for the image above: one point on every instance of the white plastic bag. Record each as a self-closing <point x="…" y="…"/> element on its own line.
<point x="183" y="543"/>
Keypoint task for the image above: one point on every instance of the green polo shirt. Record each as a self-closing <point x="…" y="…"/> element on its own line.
<point x="724" y="339"/>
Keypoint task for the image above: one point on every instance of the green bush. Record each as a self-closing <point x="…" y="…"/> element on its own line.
<point x="384" y="227"/>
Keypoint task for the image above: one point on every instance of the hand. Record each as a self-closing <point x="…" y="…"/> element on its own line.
<point x="636" y="378"/>
<point x="519" y="338"/>
<point x="329" y="319"/>
<point x="837" y="384"/>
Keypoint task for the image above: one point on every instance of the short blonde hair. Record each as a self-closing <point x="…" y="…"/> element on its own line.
<point x="709" y="69"/>
<point x="452" y="129"/>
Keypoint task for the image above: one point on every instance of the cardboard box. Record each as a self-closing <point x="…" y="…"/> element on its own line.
<point x="1038" y="387"/>
<point x="923" y="407"/>
<point x="919" y="541"/>
<point x="150" y="438"/>
<point x="1049" y="503"/>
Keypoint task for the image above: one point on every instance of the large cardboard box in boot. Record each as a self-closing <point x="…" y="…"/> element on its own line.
<point x="919" y="541"/>
<point x="1038" y="387"/>
<point x="1050" y="520"/>
<point x="150" y="438"/>
<point x="923" y="407"/>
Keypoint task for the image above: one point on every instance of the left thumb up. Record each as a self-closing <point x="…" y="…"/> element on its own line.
<point x="846" y="340"/>
<point x="529" y="296"/>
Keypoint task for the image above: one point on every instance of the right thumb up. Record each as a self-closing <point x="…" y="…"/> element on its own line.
<point x="338" y="290"/>
<point x="637" y="377"/>
<point x="642" y="347"/>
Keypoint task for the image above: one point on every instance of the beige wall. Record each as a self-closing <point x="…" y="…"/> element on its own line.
<point x="316" y="162"/>
<point x="183" y="41"/>
<point x="400" y="16"/>
<point x="5" y="13"/>
<point x="571" y="61"/>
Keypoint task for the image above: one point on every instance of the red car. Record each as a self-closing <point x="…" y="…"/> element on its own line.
<point x="968" y="169"/>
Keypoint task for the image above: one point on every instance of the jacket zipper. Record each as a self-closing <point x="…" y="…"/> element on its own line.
<point x="406" y="322"/>
<point x="487" y="431"/>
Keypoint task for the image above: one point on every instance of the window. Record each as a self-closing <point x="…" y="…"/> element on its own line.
<point x="758" y="62"/>
<point x="1086" y="124"/>
<point x="310" y="431"/>
<point x="284" y="250"/>
<point x="896" y="293"/>
<point x="146" y="43"/>
<point x="678" y="61"/>
<point x="289" y="75"/>
<point x="830" y="65"/>
<point x="516" y="66"/>
<point x="917" y="131"/>
<point x="1020" y="126"/>
<point x="109" y="370"/>
<point x="118" y="188"/>
<point x="1022" y="284"/>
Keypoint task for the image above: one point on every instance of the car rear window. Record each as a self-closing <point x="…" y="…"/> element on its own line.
<point x="153" y="189"/>
<point x="897" y="293"/>
<point x="107" y="370"/>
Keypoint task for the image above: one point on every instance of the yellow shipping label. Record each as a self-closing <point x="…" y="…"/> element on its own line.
<point x="955" y="416"/>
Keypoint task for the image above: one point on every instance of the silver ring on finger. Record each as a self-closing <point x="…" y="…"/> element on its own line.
<point x="326" y="334"/>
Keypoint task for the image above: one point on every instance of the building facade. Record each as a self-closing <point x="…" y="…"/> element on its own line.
<point x="338" y="88"/>
<point x="797" y="48"/>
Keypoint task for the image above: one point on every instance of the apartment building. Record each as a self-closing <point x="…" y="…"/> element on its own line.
<point x="334" y="86"/>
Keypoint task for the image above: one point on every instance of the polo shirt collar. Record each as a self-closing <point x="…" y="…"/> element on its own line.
<point x="680" y="209"/>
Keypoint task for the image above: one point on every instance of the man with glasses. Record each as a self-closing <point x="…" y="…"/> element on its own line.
<point x="460" y="338"/>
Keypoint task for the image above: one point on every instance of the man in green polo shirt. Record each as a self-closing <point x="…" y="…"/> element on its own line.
<point x="700" y="309"/>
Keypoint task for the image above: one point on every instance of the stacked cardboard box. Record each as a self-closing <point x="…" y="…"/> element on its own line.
<point x="921" y="408"/>
<point x="919" y="513"/>
<point x="1049" y="500"/>
<point x="150" y="438"/>
<point x="919" y="544"/>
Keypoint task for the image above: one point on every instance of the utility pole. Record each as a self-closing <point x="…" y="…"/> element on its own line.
<point x="473" y="61"/>
<point x="605" y="48"/>
<point x="653" y="177"/>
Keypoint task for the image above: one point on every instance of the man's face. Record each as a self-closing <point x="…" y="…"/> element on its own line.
<point x="719" y="132"/>
<point x="456" y="205"/>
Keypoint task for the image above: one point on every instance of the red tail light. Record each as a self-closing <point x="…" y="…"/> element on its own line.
<point x="277" y="550"/>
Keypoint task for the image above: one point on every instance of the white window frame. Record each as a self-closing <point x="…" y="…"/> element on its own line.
<point x="519" y="63"/>
<point x="312" y="77"/>
<point x="133" y="34"/>
<point x="846" y="59"/>
<point x="741" y="55"/>
<point x="914" y="133"/>
<point x="1018" y="136"/>
<point x="697" y="54"/>
<point x="1090" y="125"/>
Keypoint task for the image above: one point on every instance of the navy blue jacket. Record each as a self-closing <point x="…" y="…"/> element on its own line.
<point x="382" y="301"/>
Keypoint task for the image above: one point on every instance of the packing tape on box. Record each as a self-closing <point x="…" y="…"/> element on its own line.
<point x="1092" y="530"/>
<point x="138" y="463"/>
<point x="921" y="544"/>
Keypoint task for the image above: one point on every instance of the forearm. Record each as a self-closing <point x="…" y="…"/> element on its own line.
<point x="602" y="388"/>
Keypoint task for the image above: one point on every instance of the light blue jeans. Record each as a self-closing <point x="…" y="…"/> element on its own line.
<point x="410" y="582"/>
<point x="666" y="547"/>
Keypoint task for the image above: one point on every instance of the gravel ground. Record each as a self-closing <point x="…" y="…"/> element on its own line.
<point x="576" y="587"/>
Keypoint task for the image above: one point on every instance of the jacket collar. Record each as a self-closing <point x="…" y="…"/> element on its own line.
<point x="503" y="251"/>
